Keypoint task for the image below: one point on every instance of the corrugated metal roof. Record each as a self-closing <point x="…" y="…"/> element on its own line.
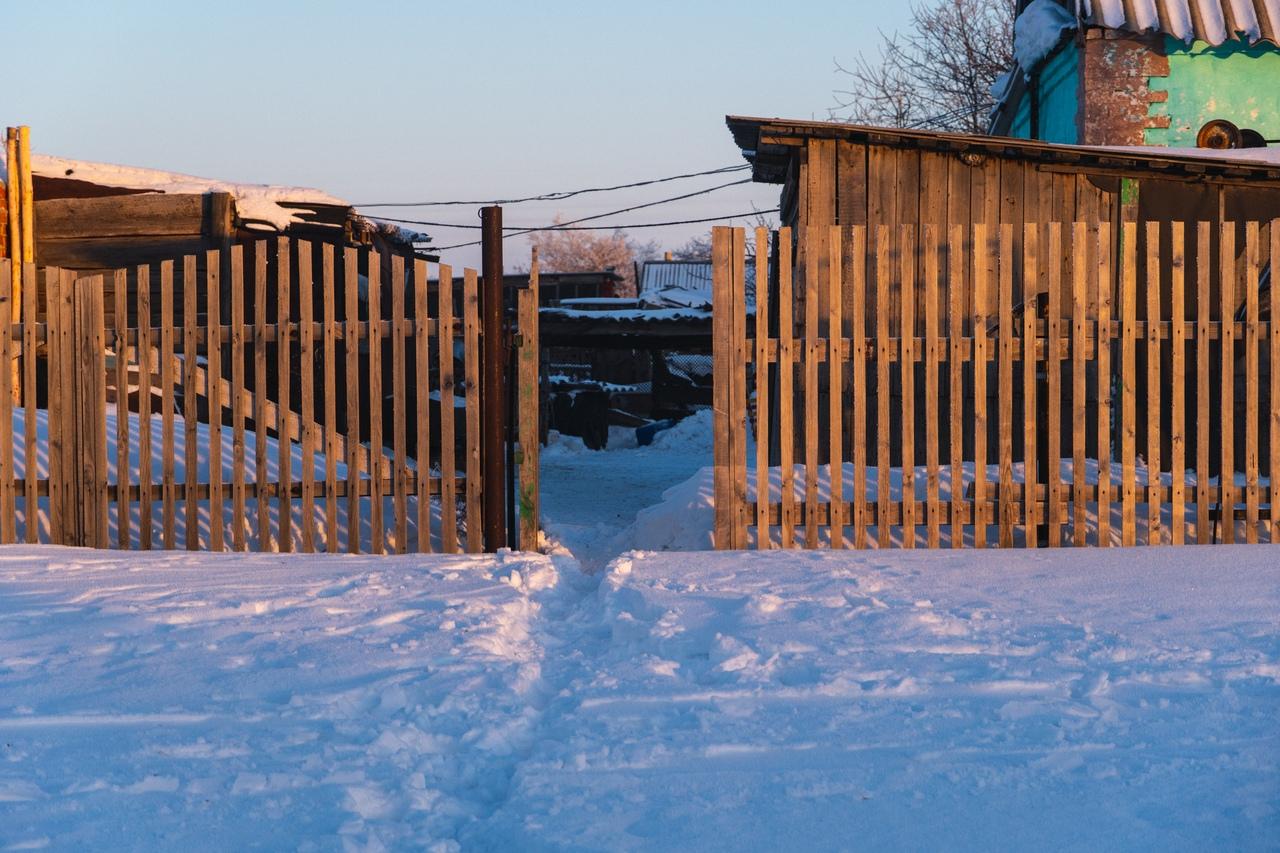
<point x="681" y="284"/>
<point x="1212" y="21"/>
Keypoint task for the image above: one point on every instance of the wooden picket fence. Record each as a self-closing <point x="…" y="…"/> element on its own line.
<point x="1011" y="391"/>
<point x="244" y="400"/>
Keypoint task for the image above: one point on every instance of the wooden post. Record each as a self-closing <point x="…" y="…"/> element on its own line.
<point x="422" y="398"/>
<point x="1226" y="410"/>
<point x="1004" y="428"/>
<point x="377" y="456"/>
<point x="168" y="480"/>
<point x="1177" y="437"/>
<point x="7" y="498"/>
<point x="1252" y="342"/>
<point x="284" y="340"/>
<point x="763" y="539"/>
<point x="399" y="441"/>
<point x="238" y="461"/>
<point x="331" y="452"/>
<point x="721" y="353"/>
<point x="1104" y="297"/>
<point x="858" y="320"/>
<point x="306" y="367"/>
<point x="528" y="388"/>
<point x="493" y="390"/>
<point x="1030" y="275"/>
<point x="835" y="384"/>
<point x="351" y="346"/>
<point x="983" y="264"/>
<point x="1152" y="403"/>
<point x="907" y="363"/>
<point x="786" y="389"/>
<point x="476" y="486"/>
<point x="448" y="439"/>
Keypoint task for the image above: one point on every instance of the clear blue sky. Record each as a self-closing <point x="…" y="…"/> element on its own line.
<point x="389" y="101"/>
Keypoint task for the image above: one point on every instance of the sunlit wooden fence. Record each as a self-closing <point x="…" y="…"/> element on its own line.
<point x="278" y="396"/>
<point x="1090" y="386"/>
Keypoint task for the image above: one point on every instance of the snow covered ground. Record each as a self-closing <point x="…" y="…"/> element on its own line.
<point x="1069" y="699"/>
<point x="961" y="700"/>
<point x="591" y="499"/>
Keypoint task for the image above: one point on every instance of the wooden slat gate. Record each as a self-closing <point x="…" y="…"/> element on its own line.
<point x="278" y="396"/>
<point x="917" y="386"/>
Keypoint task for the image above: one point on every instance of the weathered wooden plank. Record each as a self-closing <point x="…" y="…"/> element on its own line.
<point x="529" y="396"/>
<point x="260" y="418"/>
<point x="933" y="504"/>
<point x="213" y="293"/>
<point x="836" y="368"/>
<point x="786" y="389"/>
<point x="448" y="442"/>
<point x="721" y="353"/>
<point x="1128" y="378"/>
<point x="377" y="457"/>
<point x="30" y="491"/>
<point x="331" y="451"/>
<point x="982" y="267"/>
<point x="351" y="347"/>
<point x="815" y="239"/>
<point x="471" y="371"/>
<point x="121" y="350"/>
<point x="764" y="540"/>
<point x="284" y="341"/>
<point x="140" y="215"/>
<point x="307" y="391"/>
<point x="907" y="256"/>
<point x="1152" y="402"/>
<point x="1273" y="365"/>
<point x="1053" y="371"/>
<point x="1227" y="489"/>
<point x="1103" y="299"/>
<point x="738" y="365"/>
<point x="1252" y="342"/>
<point x="399" y="440"/>
<point x="190" y="411"/>
<point x="145" y="360"/>
<point x="8" y="509"/>
<point x="858" y="312"/>
<point x="1204" y="237"/>
<point x="1030" y="275"/>
<point x="1079" y="406"/>
<point x="238" y="460"/>
<point x="168" y="477"/>
<point x="1004" y="401"/>
<point x="884" y="350"/>
<point x="957" y="292"/>
<point x="1178" y="381"/>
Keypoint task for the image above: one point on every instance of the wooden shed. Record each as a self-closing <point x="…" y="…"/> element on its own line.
<point x="839" y="174"/>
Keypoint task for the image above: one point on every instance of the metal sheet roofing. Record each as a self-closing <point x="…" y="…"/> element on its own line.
<point x="681" y="284"/>
<point x="1212" y="21"/>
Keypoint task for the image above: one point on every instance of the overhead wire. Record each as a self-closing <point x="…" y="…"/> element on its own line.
<point x="523" y="228"/>
<point x="632" y="226"/>
<point x="563" y="194"/>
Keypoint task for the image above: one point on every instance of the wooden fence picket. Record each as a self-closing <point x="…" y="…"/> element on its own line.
<point x="448" y="460"/>
<point x="1152" y="403"/>
<point x="932" y="356"/>
<point x="237" y="351"/>
<point x="1226" y="409"/>
<point x="471" y="370"/>
<point x="764" y="539"/>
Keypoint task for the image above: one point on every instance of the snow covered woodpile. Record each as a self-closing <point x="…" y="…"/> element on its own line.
<point x="100" y="216"/>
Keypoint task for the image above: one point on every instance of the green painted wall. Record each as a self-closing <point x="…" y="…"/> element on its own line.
<point x="1232" y="81"/>
<point x="1059" y="99"/>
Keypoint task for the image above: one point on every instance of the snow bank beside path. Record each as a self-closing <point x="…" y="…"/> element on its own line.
<point x="1000" y="700"/>
<point x="230" y="702"/>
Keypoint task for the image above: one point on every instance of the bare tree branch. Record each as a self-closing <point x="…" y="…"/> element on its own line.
<point x="936" y="75"/>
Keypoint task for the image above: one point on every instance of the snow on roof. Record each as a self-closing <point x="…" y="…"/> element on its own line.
<point x="255" y="203"/>
<point x="1212" y="21"/>
<point x="676" y="284"/>
<point x="1037" y="32"/>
